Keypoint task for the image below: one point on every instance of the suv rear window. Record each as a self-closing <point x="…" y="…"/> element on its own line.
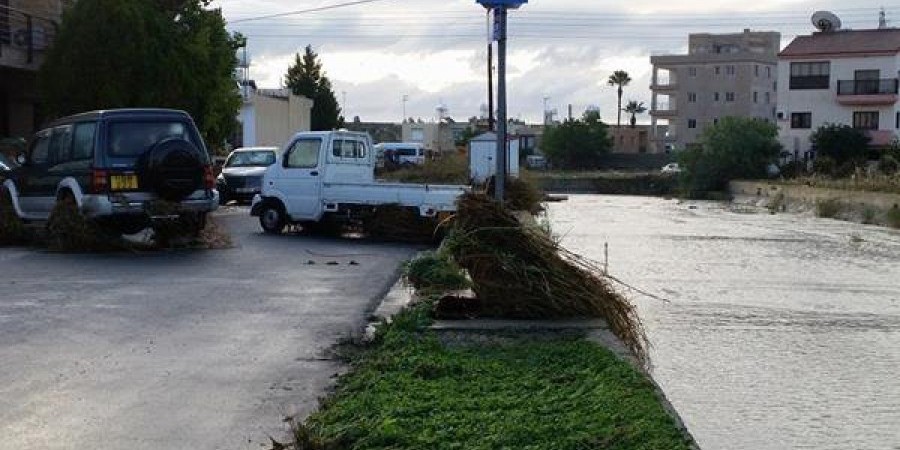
<point x="136" y="138"/>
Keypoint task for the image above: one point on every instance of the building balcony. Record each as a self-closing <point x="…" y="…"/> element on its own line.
<point x="664" y="112"/>
<point x="24" y="38"/>
<point x="867" y="92"/>
<point x="664" y="86"/>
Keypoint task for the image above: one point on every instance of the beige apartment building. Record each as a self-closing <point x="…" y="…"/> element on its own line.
<point x="722" y="75"/>
<point x="27" y="28"/>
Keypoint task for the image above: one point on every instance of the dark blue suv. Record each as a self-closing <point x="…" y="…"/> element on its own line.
<point x="112" y="166"/>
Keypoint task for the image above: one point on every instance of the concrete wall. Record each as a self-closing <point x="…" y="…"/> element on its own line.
<point x="824" y="105"/>
<point x="270" y="120"/>
<point x="630" y="140"/>
<point x="854" y="204"/>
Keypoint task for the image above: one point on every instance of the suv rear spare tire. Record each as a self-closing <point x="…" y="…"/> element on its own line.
<point x="173" y="169"/>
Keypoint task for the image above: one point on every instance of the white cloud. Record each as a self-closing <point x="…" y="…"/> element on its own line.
<point x="435" y="51"/>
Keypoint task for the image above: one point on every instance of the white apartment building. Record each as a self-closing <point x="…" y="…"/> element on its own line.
<point x="841" y="76"/>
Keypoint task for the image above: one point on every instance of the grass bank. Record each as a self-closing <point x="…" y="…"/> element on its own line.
<point x="874" y="183"/>
<point x="413" y="388"/>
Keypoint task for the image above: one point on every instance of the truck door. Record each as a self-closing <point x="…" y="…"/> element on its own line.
<point x="301" y="179"/>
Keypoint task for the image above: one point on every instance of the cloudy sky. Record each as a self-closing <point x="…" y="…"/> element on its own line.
<point x="434" y="51"/>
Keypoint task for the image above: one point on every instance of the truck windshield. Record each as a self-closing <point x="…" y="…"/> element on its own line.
<point x="251" y="159"/>
<point x="136" y="138"/>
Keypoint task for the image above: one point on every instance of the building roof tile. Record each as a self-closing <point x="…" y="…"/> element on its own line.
<point x="845" y="43"/>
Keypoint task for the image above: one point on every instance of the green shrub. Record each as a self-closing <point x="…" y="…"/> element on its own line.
<point x="888" y="165"/>
<point x="828" y="208"/>
<point x="869" y="215"/>
<point x="825" y="165"/>
<point x="893" y="217"/>
<point x="842" y="143"/>
<point x="734" y="148"/>
<point x="436" y="272"/>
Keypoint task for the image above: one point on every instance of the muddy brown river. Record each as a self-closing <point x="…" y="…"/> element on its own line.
<point x="781" y="331"/>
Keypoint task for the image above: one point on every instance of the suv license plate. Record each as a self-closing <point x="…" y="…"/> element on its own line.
<point x="123" y="182"/>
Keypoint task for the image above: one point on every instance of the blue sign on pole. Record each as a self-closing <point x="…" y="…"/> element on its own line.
<point x="508" y="4"/>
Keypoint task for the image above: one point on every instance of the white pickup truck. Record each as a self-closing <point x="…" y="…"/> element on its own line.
<point x="330" y="176"/>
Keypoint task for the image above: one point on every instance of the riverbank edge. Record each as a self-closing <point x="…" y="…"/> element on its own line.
<point x="401" y="298"/>
<point x="612" y="183"/>
<point x="875" y="208"/>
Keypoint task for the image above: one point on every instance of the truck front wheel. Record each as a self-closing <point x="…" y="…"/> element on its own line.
<point x="272" y="218"/>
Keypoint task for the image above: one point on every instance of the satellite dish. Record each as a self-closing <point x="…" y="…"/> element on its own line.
<point x="826" y="21"/>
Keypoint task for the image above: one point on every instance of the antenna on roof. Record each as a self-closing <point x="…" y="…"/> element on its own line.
<point x="882" y="19"/>
<point x="826" y="21"/>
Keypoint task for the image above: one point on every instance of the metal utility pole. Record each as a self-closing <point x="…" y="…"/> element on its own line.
<point x="490" y="73"/>
<point x="404" y="99"/>
<point x="500" y="8"/>
<point x="502" y="155"/>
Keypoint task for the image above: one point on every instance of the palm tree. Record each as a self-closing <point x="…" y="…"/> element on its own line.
<point x="621" y="79"/>
<point x="634" y="108"/>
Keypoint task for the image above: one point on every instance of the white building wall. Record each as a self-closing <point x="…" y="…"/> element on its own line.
<point x="824" y="105"/>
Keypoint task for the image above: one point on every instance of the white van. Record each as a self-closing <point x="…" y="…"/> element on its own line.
<point x="400" y="153"/>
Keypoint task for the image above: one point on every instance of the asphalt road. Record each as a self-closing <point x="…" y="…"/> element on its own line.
<point x="178" y="350"/>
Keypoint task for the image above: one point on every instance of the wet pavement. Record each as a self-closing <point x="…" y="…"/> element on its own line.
<point x="783" y="331"/>
<point x="178" y="350"/>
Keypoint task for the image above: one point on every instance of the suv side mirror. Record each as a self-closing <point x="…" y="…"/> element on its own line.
<point x="20" y="159"/>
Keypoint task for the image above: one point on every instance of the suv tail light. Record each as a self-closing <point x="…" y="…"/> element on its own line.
<point x="99" y="181"/>
<point x="209" y="180"/>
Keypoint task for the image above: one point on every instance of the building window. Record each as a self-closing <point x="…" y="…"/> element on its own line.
<point x="730" y="70"/>
<point x="756" y="70"/>
<point x="898" y="121"/>
<point x="716" y="96"/>
<point x="768" y="97"/>
<point x="865" y="120"/>
<point x="692" y="71"/>
<point x="810" y="75"/>
<point x="716" y="121"/>
<point x="755" y="97"/>
<point x="692" y="97"/>
<point x="729" y="96"/>
<point x="802" y="120"/>
<point x="768" y="72"/>
<point x="718" y="70"/>
<point x="692" y="123"/>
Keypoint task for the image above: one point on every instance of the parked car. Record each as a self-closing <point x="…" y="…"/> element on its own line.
<point x="6" y="164"/>
<point x="113" y="166"/>
<point x="671" y="168"/>
<point x="536" y="162"/>
<point x="242" y="173"/>
<point x="400" y="154"/>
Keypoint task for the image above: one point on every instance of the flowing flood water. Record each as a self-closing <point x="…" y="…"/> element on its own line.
<point x="782" y="331"/>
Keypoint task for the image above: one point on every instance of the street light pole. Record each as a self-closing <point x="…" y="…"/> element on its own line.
<point x="404" y="99"/>
<point x="490" y="73"/>
<point x="502" y="155"/>
<point x="500" y="8"/>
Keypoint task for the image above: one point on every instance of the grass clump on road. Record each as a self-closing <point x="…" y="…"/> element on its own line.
<point x="12" y="231"/>
<point x="411" y="390"/>
<point x="435" y="271"/>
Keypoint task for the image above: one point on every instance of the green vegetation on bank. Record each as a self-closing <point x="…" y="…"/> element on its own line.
<point x="734" y="148"/>
<point x="413" y="389"/>
<point x="578" y="144"/>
